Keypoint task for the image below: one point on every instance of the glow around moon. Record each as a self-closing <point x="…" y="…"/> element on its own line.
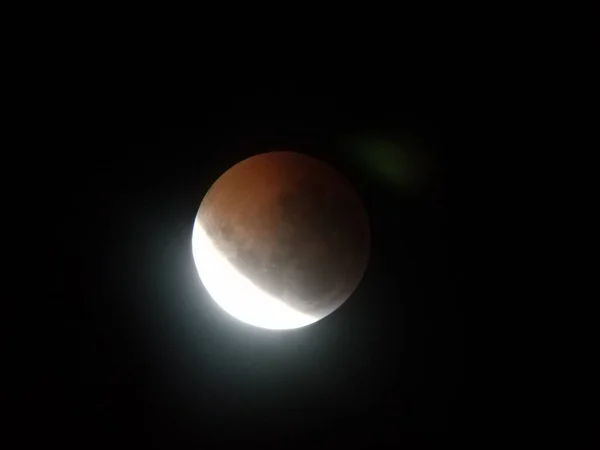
<point x="236" y="294"/>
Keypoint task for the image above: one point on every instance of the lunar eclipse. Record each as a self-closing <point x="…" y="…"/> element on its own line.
<point x="281" y="240"/>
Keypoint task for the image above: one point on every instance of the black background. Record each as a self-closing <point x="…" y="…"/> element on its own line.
<point x="120" y="344"/>
<point x="132" y="347"/>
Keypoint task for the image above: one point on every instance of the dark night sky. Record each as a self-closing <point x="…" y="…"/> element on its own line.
<point x="134" y="349"/>
<point x="120" y="346"/>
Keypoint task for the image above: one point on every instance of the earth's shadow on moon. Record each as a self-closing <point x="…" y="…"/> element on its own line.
<point x="316" y="253"/>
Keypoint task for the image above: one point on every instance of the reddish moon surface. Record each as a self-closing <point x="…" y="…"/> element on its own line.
<point x="293" y="226"/>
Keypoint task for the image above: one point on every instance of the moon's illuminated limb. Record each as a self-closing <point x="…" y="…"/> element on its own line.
<point x="236" y="294"/>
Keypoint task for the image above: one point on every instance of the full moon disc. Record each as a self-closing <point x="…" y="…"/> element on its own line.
<point x="281" y="240"/>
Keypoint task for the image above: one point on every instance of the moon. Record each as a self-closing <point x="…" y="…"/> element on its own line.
<point x="281" y="240"/>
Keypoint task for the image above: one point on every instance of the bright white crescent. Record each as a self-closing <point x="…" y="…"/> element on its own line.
<point x="236" y="294"/>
